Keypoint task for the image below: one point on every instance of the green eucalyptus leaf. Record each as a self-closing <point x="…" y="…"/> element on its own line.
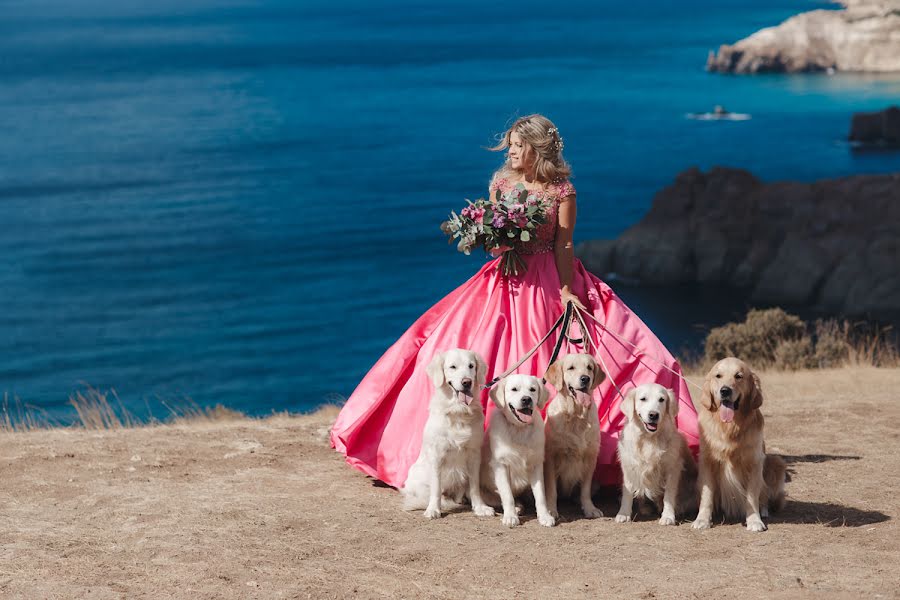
<point x="525" y="236"/>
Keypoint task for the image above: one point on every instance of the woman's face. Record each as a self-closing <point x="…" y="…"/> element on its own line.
<point x="521" y="154"/>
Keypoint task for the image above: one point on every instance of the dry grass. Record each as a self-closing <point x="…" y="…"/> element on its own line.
<point x="774" y="339"/>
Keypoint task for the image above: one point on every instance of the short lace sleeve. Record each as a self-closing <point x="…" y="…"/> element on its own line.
<point x="496" y="183"/>
<point x="565" y="189"/>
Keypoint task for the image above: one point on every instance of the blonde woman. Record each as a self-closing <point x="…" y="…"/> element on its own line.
<point x="502" y="317"/>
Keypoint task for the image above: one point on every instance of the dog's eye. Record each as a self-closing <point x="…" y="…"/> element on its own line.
<point x="718" y="376"/>
<point x="660" y="400"/>
<point x="590" y="368"/>
<point x="471" y="366"/>
<point x="570" y="368"/>
<point x="643" y="399"/>
<point x="738" y="376"/>
<point x="515" y="389"/>
<point x="532" y="389"/>
<point x="452" y="366"/>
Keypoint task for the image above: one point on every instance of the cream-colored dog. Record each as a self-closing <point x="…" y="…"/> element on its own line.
<point x="656" y="462"/>
<point x="513" y="456"/>
<point x="573" y="431"/>
<point x="736" y="474"/>
<point x="450" y="459"/>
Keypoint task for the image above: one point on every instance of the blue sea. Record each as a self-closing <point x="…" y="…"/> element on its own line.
<point x="238" y="202"/>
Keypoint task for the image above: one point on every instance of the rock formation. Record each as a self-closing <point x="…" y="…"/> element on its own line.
<point x="877" y="128"/>
<point x="864" y="36"/>
<point x="833" y="245"/>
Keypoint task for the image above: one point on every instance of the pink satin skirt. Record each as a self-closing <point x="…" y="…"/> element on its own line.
<point x="379" y="429"/>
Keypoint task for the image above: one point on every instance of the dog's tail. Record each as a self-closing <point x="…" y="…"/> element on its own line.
<point x="774" y="472"/>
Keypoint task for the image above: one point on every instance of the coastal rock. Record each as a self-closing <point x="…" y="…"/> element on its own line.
<point x="880" y="128"/>
<point x="863" y="37"/>
<point x="833" y="245"/>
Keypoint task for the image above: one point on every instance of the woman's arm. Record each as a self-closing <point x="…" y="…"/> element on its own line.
<point x="564" y="249"/>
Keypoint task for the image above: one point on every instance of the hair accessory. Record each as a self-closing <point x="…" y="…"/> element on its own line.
<point x="558" y="142"/>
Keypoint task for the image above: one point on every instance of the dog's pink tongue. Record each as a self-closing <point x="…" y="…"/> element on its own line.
<point x="466" y="398"/>
<point x="525" y="417"/>
<point x="726" y="414"/>
<point x="583" y="397"/>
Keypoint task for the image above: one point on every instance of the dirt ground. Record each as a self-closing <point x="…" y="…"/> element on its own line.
<point x="265" y="509"/>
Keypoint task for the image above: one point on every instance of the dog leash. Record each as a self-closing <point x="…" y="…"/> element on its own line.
<point x="562" y="323"/>
<point x="650" y="356"/>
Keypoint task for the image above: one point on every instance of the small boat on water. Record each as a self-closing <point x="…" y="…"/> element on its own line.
<point x="719" y="114"/>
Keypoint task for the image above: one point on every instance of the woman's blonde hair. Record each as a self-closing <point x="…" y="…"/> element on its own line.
<point x="541" y="134"/>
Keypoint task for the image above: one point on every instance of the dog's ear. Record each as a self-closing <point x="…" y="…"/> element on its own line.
<point x="498" y="394"/>
<point x="554" y="376"/>
<point x="543" y="395"/>
<point x="671" y="403"/>
<point x="435" y="370"/>
<point x="627" y="406"/>
<point x="756" y="398"/>
<point x="480" y="370"/>
<point x="598" y="377"/>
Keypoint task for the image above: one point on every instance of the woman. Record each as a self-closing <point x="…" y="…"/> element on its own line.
<point x="502" y="317"/>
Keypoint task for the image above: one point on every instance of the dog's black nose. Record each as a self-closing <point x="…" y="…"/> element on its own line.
<point x="653" y="416"/>
<point x="467" y="383"/>
<point x="526" y="400"/>
<point x="585" y="380"/>
<point x="725" y="391"/>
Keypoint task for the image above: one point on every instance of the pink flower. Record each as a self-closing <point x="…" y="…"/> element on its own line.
<point x="517" y="215"/>
<point x="477" y="214"/>
<point x="499" y="221"/>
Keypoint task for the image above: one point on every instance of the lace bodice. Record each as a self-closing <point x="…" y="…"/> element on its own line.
<point x="544" y="235"/>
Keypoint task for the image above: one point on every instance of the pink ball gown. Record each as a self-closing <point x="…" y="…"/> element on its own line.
<point x="379" y="429"/>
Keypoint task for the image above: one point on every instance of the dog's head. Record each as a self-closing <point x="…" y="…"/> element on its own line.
<point x="730" y="389"/>
<point x="651" y="406"/>
<point x="576" y="375"/>
<point x="463" y="370"/>
<point x="518" y="397"/>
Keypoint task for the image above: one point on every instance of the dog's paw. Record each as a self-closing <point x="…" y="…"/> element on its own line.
<point x="592" y="512"/>
<point x="483" y="511"/>
<point x="667" y="521"/>
<point x="519" y="509"/>
<point x="620" y="518"/>
<point x="755" y="525"/>
<point x="701" y="524"/>
<point x="546" y="520"/>
<point x="554" y="513"/>
<point x="510" y="520"/>
<point x="432" y="513"/>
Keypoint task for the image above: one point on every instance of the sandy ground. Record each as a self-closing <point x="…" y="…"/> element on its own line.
<point x="265" y="509"/>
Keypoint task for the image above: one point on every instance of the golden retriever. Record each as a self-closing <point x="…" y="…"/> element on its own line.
<point x="450" y="459"/>
<point x="655" y="459"/>
<point x="513" y="456"/>
<point x="736" y="475"/>
<point x="573" y="431"/>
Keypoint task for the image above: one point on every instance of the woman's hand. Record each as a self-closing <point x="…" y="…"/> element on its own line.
<point x="499" y="250"/>
<point x="566" y="296"/>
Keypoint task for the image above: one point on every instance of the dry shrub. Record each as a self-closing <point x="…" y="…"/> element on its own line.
<point x="775" y="339"/>
<point x="756" y="339"/>
<point x="832" y="344"/>
<point x="795" y="354"/>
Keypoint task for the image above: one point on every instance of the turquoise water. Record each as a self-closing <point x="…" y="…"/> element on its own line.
<point x="239" y="203"/>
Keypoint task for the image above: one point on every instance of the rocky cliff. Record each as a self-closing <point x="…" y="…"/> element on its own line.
<point x="864" y="36"/>
<point x="833" y="245"/>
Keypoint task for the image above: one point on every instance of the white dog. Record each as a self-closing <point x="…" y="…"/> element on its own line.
<point x="513" y="456"/>
<point x="573" y="431"/>
<point x="655" y="459"/>
<point x="450" y="459"/>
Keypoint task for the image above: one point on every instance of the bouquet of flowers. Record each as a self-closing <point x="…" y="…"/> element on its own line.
<point x="498" y="225"/>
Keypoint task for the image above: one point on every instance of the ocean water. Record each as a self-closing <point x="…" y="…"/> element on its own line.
<point x="238" y="202"/>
